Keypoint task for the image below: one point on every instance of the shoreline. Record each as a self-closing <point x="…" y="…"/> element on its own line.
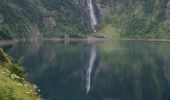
<point x="14" y="41"/>
<point x="104" y="39"/>
<point x="149" y="40"/>
<point x="8" y="42"/>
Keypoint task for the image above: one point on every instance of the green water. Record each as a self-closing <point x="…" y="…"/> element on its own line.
<point x="118" y="70"/>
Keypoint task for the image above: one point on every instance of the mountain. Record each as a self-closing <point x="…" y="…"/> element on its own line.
<point x="37" y="18"/>
<point x="77" y="18"/>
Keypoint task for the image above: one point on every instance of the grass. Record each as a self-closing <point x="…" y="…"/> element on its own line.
<point x="14" y="88"/>
<point x="110" y="31"/>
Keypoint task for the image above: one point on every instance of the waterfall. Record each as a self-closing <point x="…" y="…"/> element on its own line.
<point x="92" y="14"/>
<point x="90" y="68"/>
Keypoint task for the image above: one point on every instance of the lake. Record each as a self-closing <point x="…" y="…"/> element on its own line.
<point x="117" y="70"/>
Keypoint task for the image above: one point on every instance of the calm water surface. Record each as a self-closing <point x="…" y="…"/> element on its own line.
<point x="118" y="70"/>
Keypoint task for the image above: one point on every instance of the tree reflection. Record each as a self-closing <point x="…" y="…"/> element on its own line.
<point x="121" y="70"/>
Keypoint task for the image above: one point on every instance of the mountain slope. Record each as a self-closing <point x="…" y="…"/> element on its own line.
<point x="136" y="18"/>
<point x="58" y="18"/>
<point x="35" y="18"/>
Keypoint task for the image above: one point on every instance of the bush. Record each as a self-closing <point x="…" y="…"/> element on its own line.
<point x="132" y="26"/>
<point x="5" y="33"/>
<point x="17" y="70"/>
<point x="140" y="26"/>
<point x="164" y="30"/>
<point x="4" y="58"/>
<point x="13" y="68"/>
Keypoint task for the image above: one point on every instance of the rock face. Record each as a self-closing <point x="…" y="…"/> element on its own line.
<point x="34" y="31"/>
<point x="1" y="18"/>
<point x="167" y="11"/>
<point x="105" y="9"/>
<point x="49" y="22"/>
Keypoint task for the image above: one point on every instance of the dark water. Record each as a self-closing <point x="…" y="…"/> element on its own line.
<point x="118" y="70"/>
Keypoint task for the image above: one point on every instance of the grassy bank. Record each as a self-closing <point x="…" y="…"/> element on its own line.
<point x="12" y="83"/>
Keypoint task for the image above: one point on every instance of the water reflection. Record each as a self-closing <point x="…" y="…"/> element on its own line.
<point x="119" y="70"/>
<point x="90" y="68"/>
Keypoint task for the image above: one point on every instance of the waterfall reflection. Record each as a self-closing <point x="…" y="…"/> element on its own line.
<point x="125" y="70"/>
<point x="90" y="68"/>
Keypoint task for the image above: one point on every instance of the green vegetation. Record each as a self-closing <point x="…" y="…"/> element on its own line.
<point x="164" y="30"/>
<point x="137" y="19"/>
<point x="5" y="33"/>
<point x="42" y="18"/>
<point x="13" y="86"/>
<point x="136" y="67"/>
<point x="59" y="18"/>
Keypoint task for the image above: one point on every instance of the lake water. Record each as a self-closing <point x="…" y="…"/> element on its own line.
<point x="118" y="70"/>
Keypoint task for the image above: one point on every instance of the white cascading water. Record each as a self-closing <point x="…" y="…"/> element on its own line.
<point x="92" y="14"/>
<point x="90" y="68"/>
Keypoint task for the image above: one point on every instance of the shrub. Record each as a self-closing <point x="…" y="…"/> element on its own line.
<point x="4" y="58"/>
<point x="164" y="30"/>
<point x="13" y="68"/>
<point x="5" y="33"/>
